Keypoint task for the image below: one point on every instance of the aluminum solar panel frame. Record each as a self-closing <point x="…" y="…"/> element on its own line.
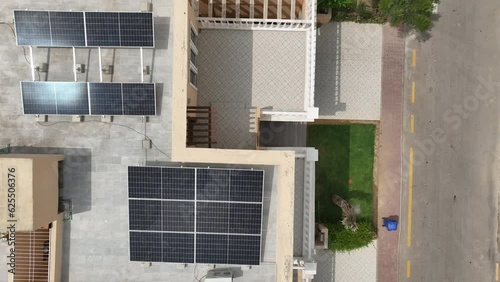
<point x="83" y="98"/>
<point x="192" y="208"/>
<point x="84" y="29"/>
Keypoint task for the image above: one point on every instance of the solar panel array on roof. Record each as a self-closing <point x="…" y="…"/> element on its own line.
<point x="84" y="29"/>
<point x="88" y="98"/>
<point x="197" y="215"/>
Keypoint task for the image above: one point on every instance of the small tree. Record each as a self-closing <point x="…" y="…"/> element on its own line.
<point x="417" y="14"/>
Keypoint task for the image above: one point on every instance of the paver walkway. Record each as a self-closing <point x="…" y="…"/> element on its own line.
<point x="389" y="199"/>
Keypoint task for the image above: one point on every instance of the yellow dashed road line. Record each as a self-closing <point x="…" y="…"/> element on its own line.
<point x="410" y="196"/>
<point x="496" y="274"/>
<point x="408" y="269"/>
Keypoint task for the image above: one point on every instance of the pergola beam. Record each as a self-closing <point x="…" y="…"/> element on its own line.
<point x="264" y="10"/>
<point x="279" y="9"/>
<point x="292" y="10"/>
<point x="210" y="8"/>
<point x="237" y="9"/>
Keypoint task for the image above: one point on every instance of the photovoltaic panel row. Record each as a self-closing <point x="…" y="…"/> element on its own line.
<point x="84" y="29"/>
<point x="180" y="248"/>
<point x="162" y="247"/>
<point x="217" y="217"/>
<point x="82" y="98"/>
<point x="211" y="184"/>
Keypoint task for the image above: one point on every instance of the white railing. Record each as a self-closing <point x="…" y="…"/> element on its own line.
<point x="311" y="56"/>
<point x="309" y="209"/>
<point x="254" y="24"/>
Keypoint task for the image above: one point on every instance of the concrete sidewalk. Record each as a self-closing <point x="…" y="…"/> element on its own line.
<point x="389" y="193"/>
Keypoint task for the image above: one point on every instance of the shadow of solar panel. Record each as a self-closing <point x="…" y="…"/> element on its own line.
<point x="32" y="28"/>
<point x="136" y="29"/>
<point x="39" y="98"/>
<point x="245" y="218"/>
<point x="212" y="184"/>
<point x="177" y="216"/>
<point x="145" y="215"/>
<point x="144" y="182"/>
<point x="212" y="217"/>
<point x="72" y="98"/>
<point x="103" y="29"/>
<point x="67" y="29"/>
<point x="178" y="247"/>
<point x="244" y="250"/>
<point x="246" y="185"/>
<point x="146" y="246"/>
<point x="177" y="183"/>
<point x="106" y="98"/>
<point x="211" y="248"/>
<point x="139" y="99"/>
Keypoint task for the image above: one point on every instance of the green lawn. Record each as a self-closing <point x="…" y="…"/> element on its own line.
<point x="345" y="168"/>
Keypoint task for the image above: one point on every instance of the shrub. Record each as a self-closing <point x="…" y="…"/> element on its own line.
<point x="344" y="240"/>
<point x="417" y="14"/>
<point x="334" y="4"/>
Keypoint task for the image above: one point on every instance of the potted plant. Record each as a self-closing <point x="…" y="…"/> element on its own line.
<point x="324" y="13"/>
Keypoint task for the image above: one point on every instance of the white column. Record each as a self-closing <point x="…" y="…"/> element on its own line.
<point x="32" y="64"/>
<point x="100" y="64"/>
<point x="74" y="63"/>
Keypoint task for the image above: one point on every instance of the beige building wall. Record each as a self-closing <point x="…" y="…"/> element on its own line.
<point x="36" y="189"/>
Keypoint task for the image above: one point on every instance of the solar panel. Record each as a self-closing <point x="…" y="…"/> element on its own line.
<point x="72" y="98"/>
<point x="212" y="217"/>
<point x="246" y="186"/>
<point x="103" y="29"/>
<point x="144" y="182"/>
<point x="145" y="215"/>
<point x="38" y="98"/>
<point x="243" y="250"/>
<point x="178" y="247"/>
<point x="211" y="248"/>
<point x="245" y="218"/>
<point x="136" y="29"/>
<point x="82" y="98"/>
<point x="139" y="99"/>
<point x="67" y="28"/>
<point x="106" y="99"/>
<point x="177" y="216"/>
<point x="32" y="28"/>
<point x="213" y="184"/>
<point x="80" y="29"/>
<point x="177" y="183"/>
<point x="144" y="246"/>
<point x="196" y="203"/>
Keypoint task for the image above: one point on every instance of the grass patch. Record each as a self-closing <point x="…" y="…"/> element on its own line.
<point x="345" y="168"/>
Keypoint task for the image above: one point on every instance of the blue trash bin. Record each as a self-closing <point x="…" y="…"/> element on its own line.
<point x="390" y="224"/>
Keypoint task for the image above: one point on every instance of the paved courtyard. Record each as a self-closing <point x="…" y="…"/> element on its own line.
<point x="349" y="71"/>
<point x="358" y="265"/>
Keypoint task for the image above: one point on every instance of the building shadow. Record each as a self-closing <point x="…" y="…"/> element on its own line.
<point x="328" y="69"/>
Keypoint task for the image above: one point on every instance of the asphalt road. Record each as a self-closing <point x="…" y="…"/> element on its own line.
<point x="453" y="202"/>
